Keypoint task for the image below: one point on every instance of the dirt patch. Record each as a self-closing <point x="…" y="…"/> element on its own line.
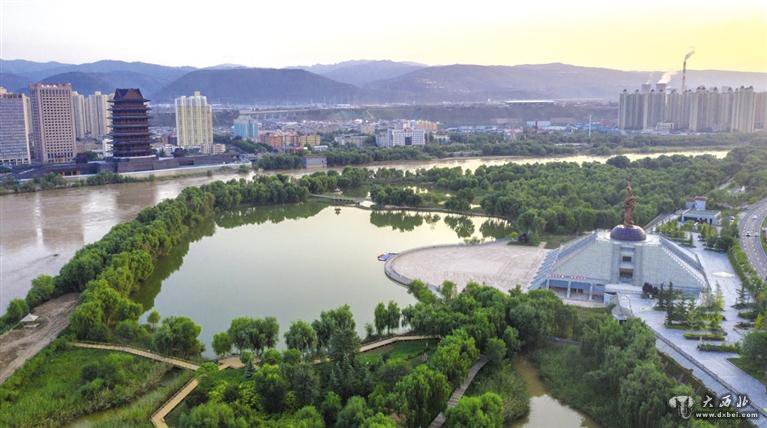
<point x="22" y="343"/>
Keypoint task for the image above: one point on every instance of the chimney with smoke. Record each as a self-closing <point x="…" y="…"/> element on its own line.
<point x="684" y="69"/>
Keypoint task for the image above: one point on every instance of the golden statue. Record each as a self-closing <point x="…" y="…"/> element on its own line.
<point x="628" y="205"/>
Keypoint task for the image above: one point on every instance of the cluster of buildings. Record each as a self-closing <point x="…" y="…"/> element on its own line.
<point x="194" y="124"/>
<point x="702" y="110"/>
<point x="288" y="141"/>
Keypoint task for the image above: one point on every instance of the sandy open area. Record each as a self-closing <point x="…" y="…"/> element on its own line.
<point x="495" y="264"/>
<point x="22" y="343"/>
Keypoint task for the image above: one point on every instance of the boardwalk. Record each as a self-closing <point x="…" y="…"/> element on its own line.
<point x="158" y="417"/>
<point x="177" y="362"/>
<point x="458" y="393"/>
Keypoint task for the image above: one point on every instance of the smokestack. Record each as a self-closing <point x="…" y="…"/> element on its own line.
<point x="684" y="69"/>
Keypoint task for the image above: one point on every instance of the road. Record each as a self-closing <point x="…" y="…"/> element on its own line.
<point x="751" y="245"/>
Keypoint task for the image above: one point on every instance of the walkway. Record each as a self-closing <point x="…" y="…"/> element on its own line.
<point x="158" y="417"/>
<point x="458" y="393"/>
<point x="177" y="362"/>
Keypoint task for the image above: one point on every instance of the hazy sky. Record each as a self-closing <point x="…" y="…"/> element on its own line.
<point x="636" y="35"/>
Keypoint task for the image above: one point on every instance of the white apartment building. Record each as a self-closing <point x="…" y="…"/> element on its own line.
<point x="99" y="115"/>
<point x="401" y="137"/>
<point x="53" y="125"/>
<point x="194" y="122"/>
<point x="80" y="112"/>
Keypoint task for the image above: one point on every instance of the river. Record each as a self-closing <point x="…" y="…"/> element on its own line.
<point x="41" y="231"/>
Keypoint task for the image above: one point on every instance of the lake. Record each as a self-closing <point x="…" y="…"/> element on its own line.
<point x="294" y="261"/>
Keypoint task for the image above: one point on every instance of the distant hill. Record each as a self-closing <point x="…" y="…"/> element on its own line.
<point x="13" y="82"/>
<point x="260" y="86"/>
<point x="23" y="67"/>
<point x="84" y="83"/>
<point x="478" y="83"/>
<point x="362" y="72"/>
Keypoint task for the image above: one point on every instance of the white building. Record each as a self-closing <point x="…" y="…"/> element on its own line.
<point x="194" y="122"/>
<point x="80" y="111"/>
<point x="14" y="130"/>
<point x="99" y="115"/>
<point x="401" y="137"/>
<point x="53" y="125"/>
<point x="246" y="127"/>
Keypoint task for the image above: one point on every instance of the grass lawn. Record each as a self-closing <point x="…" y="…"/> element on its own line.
<point x="49" y="390"/>
<point x="554" y="241"/>
<point x="503" y="380"/>
<point x="402" y="350"/>
<point x="754" y="372"/>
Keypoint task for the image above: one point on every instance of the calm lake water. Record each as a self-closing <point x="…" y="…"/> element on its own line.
<point x="545" y="410"/>
<point x="40" y="232"/>
<point x="294" y="261"/>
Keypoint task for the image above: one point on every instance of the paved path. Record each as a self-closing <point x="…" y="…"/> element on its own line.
<point x="751" y="245"/>
<point x="712" y="368"/>
<point x="392" y="340"/>
<point x="458" y="393"/>
<point x="140" y="352"/>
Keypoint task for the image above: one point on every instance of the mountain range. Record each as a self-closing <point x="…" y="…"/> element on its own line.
<point x="358" y="81"/>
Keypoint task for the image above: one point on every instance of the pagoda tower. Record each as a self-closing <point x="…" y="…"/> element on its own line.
<point x="130" y="125"/>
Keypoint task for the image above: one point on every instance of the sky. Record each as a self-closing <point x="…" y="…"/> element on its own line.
<point x="629" y="35"/>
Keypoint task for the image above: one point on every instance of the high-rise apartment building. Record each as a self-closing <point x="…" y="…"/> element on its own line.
<point x="14" y="130"/>
<point x="246" y="127"/>
<point x="99" y="116"/>
<point x="701" y="110"/>
<point x="53" y="125"/>
<point x="194" y="122"/>
<point x="80" y="112"/>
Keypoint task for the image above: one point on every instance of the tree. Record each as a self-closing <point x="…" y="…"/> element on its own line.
<point x="643" y="396"/>
<point x="154" y="318"/>
<point x="393" y="315"/>
<point x="211" y="414"/>
<point x="178" y="336"/>
<point x="754" y="348"/>
<point x="485" y="411"/>
<point x="354" y="414"/>
<point x="301" y="336"/>
<point x="308" y="417"/>
<point x="421" y="395"/>
<point x="513" y="343"/>
<point x="304" y="382"/>
<point x="222" y="344"/>
<point x="454" y="355"/>
<point x="381" y="318"/>
<point x="254" y="333"/>
<point x="379" y="420"/>
<point x="496" y="350"/>
<point x="87" y="321"/>
<point x="271" y="386"/>
<point x="42" y="289"/>
<point x="330" y="407"/>
<point x="17" y="309"/>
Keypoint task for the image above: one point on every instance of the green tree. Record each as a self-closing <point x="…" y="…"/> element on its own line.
<point x="513" y="343"/>
<point x="178" y="336"/>
<point x="496" y="350"/>
<point x="484" y="411"/>
<point x="354" y="413"/>
<point x="271" y="386"/>
<point x="330" y="407"/>
<point x="643" y="396"/>
<point x="301" y="336"/>
<point x="393" y="315"/>
<point x="211" y="414"/>
<point x="304" y="382"/>
<point x="379" y="420"/>
<point x="380" y="318"/>
<point x="42" y="289"/>
<point x="87" y="321"/>
<point x="454" y="355"/>
<point x="222" y="344"/>
<point x="17" y="309"/>
<point x="421" y="395"/>
<point x="754" y="348"/>
<point x="154" y="318"/>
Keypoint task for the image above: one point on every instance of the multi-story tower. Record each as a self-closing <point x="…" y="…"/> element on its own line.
<point x="130" y="125"/>
<point x="744" y="110"/>
<point x="194" y="122"/>
<point x="80" y="112"/>
<point x="98" y="114"/>
<point x="53" y="125"/>
<point x="14" y="130"/>
<point x="760" y="116"/>
<point x="246" y="127"/>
